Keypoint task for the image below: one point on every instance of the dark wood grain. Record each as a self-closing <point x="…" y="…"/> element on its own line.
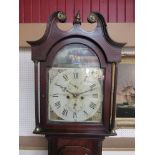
<point x="78" y="146"/>
<point x="114" y="99"/>
<point x="36" y="93"/>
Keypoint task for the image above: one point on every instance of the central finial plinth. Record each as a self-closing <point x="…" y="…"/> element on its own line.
<point x="77" y="18"/>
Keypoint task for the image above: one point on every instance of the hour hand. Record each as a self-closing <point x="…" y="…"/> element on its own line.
<point x="73" y="85"/>
<point x="70" y="92"/>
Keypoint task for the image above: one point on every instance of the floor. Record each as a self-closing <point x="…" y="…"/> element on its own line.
<point x="44" y="152"/>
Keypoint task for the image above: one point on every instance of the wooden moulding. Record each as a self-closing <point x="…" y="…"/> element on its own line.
<point x="109" y="144"/>
<point x="121" y="32"/>
<point x="125" y="123"/>
<point x="128" y="55"/>
<point x="128" y="60"/>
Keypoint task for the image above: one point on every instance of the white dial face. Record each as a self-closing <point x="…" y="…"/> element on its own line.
<point x="75" y="94"/>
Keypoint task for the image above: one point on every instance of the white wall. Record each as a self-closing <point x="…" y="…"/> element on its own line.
<point x="26" y="93"/>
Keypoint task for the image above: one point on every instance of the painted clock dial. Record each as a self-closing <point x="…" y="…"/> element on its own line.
<point x="75" y="91"/>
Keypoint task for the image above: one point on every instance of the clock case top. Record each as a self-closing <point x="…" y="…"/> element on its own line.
<point x="44" y="51"/>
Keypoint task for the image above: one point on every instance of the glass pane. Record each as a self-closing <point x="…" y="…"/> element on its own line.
<point x="76" y="55"/>
<point x="75" y="92"/>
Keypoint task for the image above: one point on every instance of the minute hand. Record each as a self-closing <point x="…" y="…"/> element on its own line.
<point x="85" y="91"/>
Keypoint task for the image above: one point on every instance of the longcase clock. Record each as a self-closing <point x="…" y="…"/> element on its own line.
<point x="75" y="85"/>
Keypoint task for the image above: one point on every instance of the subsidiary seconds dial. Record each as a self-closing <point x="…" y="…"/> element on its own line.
<point x="75" y="94"/>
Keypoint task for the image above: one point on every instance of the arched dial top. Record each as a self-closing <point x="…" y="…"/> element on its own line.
<point x="76" y="55"/>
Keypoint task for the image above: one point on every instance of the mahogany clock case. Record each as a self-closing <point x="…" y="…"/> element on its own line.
<point x="72" y="127"/>
<point x="77" y="146"/>
<point x="44" y="51"/>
